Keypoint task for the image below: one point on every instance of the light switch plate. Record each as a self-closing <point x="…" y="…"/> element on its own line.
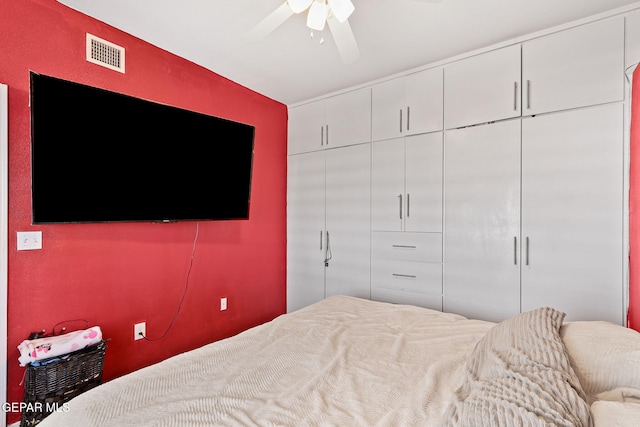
<point x="29" y="240"/>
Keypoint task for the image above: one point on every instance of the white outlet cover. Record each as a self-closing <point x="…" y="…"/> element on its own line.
<point x="29" y="240"/>
<point x="137" y="328"/>
<point x="223" y="304"/>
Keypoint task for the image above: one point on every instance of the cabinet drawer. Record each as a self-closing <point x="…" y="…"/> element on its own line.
<point x="415" y="247"/>
<point x="433" y="302"/>
<point x="407" y="276"/>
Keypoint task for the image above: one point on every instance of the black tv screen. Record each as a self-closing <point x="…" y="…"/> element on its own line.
<point x="101" y="156"/>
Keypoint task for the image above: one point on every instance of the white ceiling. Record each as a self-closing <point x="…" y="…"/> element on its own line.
<point x="290" y="67"/>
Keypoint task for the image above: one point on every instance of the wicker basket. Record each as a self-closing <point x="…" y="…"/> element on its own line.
<point x="49" y="385"/>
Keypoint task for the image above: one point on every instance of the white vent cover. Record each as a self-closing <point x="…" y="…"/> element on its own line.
<point x="105" y="53"/>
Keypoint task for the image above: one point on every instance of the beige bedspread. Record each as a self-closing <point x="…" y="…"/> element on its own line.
<point x="343" y="362"/>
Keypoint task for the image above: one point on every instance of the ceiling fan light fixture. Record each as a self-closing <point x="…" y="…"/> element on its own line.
<point x="341" y="9"/>
<point x="317" y="15"/>
<point x="298" y="6"/>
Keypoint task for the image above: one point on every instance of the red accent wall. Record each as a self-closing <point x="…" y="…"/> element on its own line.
<point x="634" y="207"/>
<point x="115" y="275"/>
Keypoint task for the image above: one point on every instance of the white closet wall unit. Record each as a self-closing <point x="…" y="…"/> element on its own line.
<point x="485" y="185"/>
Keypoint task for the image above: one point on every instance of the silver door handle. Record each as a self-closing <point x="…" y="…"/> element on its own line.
<point x="320" y="239"/>
<point x="515" y="96"/>
<point x="326" y="137"/>
<point x="404" y="246"/>
<point x="400" y="120"/>
<point x="528" y="94"/>
<point x="410" y="276"/>
<point x="321" y="136"/>
<point x="408" y="205"/>
<point x="527" y="251"/>
<point x="515" y="250"/>
<point x="400" y="205"/>
<point x="408" y="117"/>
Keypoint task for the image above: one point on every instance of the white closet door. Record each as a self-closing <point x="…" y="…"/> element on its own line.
<point x="348" y="204"/>
<point x="483" y="88"/>
<point x="572" y="212"/>
<point x="387" y="104"/>
<point x="482" y="221"/>
<point x="423" y="182"/>
<point x="348" y="118"/>
<point x="306" y="128"/>
<point x="305" y="229"/>
<point x="424" y="92"/>
<point x="388" y="185"/>
<point x="578" y="67"/>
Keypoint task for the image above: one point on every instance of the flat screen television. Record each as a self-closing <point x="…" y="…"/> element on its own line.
<point x="101" y="156"/>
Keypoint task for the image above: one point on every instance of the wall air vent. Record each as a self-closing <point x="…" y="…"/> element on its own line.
<point x="105" y="53"/>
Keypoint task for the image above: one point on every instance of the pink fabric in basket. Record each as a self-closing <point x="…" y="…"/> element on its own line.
<point x="43" y="348"/>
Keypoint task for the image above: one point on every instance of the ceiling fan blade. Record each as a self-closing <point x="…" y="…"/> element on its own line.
<point x="270" y="23"/>
<point x="345" y="40"/>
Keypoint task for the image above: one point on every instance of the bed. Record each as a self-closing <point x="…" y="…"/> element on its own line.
<point x="346" y="361"/>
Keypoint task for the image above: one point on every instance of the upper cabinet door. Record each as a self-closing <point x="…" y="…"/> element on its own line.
<point x="408" y="105"/>
<point x="483" y="88"/>
<point x="348" y="118"/>
<point x="424" y="96"/>
<point x="573" y="68"/>
<point x="307" y="127"/>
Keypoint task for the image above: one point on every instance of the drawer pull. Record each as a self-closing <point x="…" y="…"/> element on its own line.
<point x="404" y="246"/>
<point x="410" y="276"/>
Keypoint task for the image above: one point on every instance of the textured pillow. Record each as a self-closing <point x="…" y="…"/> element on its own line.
<point x="605" y="356"/>
<point x="519" y="375"/>
<point x="615" y="414"/>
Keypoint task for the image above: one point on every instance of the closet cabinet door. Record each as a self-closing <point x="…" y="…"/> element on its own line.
<point x="483" y="88"/>
<point x="306" y="128"/>
<point x="572" y="213"/>
<point x="305" y="229"/>
<point x="387" y="101"/>
<point x="482" y="221"/>
<point x="424" y="93"/>
<point x="348" y="118"/>
<point x="423" y="182"/>
<point x="348" y="204"/>
<point x="577" y="67"/>
<point x="387" y="185"/>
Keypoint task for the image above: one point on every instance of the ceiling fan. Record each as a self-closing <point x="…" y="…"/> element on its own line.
<point x="320" y="12"/>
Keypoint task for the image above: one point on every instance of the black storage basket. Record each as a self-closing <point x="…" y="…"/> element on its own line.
<point x="48" y="386"/>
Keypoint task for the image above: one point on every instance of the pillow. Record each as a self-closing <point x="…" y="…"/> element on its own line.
<point x="605" y="356"/>
<point x="615" y="414"/>
<point x="519" y="374"/>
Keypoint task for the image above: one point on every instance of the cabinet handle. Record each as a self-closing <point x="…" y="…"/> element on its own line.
<point x="408" y="204"/>
<point x="320" y="239"/>
<point x="410" y="276"/>
<point x="327" y="135"/>
<point x="404" y="246"/>
<point x="408" y="117"/>
<point x="321" y="136"/>
<point x="515" y="96"/>
<point x="400" y="205"/>
<point x="327" y="255"/>
<point x="528" y="94"/>
<point x="400" y="120"/>
<point x="515" y="250"/>
<point x="527" y="251"/>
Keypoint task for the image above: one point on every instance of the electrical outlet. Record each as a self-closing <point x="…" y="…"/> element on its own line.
<point x="223" y="304"/>
<point x="29" y="240"/>
<point x="139" y="328"/>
